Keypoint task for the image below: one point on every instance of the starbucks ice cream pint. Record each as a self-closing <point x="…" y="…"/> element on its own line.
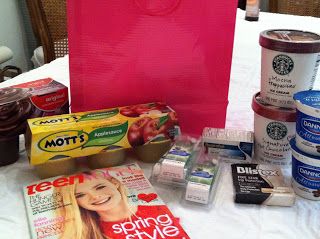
<point x="308" y="121"/>
<point x="273" y="128"/>
<point x="305" y="173"/>
<point x="289" y="63"/>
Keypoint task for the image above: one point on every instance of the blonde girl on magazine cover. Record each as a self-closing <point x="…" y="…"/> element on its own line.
<point x="85" y="206"/>
<point x="98" y="208"/>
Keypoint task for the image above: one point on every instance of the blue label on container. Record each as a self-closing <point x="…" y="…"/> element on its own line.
<point x="308" y="127"/>
<point x="306" y="175"/>
<point x="179" y="152"/>
<point x="308" y="97"/>
<point x="242" y="151"/>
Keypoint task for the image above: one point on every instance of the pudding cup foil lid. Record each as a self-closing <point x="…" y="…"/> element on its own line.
<point x="272" y="112"/>
<point x="295" y="148"/>
<point x="9" y="95"/>
<point x="292" y="41"/>
<point x="309" y="98"/>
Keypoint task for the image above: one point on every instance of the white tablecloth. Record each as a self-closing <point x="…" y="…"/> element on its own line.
<point x="226" y="219"/>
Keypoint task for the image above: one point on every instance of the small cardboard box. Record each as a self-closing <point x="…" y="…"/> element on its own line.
<point x="228" y="144"/>
<point x="261" y="184"/>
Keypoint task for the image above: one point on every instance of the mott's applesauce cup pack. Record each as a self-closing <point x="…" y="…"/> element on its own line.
<point x="146" y="127"/>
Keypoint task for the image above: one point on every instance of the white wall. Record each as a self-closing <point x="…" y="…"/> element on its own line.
<point x="12" y="33"/>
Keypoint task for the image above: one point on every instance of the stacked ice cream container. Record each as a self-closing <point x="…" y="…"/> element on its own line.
<point x="289" y="64"/>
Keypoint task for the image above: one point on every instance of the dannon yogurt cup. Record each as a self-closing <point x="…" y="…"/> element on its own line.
<point x="273" y="128"/>
<point x="308" y="121"/>
<point x="289" y="63"/>
<point x="305" y="173"/>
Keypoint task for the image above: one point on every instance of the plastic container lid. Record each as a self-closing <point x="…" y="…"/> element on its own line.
<point x="295" y="148"/>
<point x="9" y="95"/>
<point x="272" y="112"/>
<point x="292" y="41"/>
<point x="310" y="98"/>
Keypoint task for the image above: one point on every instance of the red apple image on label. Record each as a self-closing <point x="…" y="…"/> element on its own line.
<point x="164" y="126"/>
<point x="129" y="111"/>
<point x="170" y="125"/>
<point x="162" y="107"/>
<point x="137" y="110"/>
<point x="144" y="108"/>
<point x="152" y="129"/>
<point x="135" y="132"/>
<point x="172" y="120"/>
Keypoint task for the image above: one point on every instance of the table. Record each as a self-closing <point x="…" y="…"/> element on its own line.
<point x="226" y="219"/>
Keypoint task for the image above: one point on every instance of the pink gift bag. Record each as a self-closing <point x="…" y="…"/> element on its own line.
<point x="125" y="52"/>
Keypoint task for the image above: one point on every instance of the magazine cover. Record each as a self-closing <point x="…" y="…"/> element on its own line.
<point x="110" y="203"/>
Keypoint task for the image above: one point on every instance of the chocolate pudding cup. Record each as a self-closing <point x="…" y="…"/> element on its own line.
<point x="9" y="150"/>
<point x="15" y="108"/>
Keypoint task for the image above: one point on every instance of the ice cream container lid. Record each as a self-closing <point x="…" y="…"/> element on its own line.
<point x="272" y="112"/>
<point x="295" y="148"/>
<point x="309" y="98"/>
<point x="292" y="41"/>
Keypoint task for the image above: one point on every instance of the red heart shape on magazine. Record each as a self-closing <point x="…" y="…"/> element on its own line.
<point x="147" y="197"/>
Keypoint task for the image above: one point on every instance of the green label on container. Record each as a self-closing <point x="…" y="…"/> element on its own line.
<point x="163" y="120"/>
<point x="107" y="135"/>
<point x="99" y="115"/>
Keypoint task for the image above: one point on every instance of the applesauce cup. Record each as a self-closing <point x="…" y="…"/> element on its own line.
<point x="153" y="151"/>
<point x="289" y="63"/>
<point x="56" y="167"/>
<point x="107" y="158"/>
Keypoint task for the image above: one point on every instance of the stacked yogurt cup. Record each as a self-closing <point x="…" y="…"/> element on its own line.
<point x="289" y="64"/>
<point x="306" y="146"/>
